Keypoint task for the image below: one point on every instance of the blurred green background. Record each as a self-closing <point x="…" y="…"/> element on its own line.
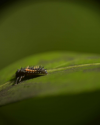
<point x="27" y="28"/>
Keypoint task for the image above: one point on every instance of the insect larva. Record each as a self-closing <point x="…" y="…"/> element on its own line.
<point x="29" y="72"/>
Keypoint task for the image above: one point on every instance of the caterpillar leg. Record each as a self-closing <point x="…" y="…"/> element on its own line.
<point x="17" y="79"/>
<point x="20" y="79"/>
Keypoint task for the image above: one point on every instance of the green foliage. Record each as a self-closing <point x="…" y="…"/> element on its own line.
<point x="30" y="28"/>
<point x="69" y="94"/>
<point x="69" y="91"/>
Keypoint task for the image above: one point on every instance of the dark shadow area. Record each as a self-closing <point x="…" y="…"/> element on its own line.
<point x="14" y="39"/>
<point x="12" y="80"/>
<point x="7" y="3"/>
<point x="74" y="109"/>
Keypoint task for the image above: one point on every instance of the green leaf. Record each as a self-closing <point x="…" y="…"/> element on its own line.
<point x="73" y="79"/>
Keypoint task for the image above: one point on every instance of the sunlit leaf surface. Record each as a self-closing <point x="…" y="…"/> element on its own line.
<point x="67" y="73"/>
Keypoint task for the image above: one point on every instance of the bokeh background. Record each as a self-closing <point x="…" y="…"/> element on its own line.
<point x="31" y="27"/>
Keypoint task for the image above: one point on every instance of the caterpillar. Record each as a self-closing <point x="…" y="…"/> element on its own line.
<point x="29" y="72"/>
